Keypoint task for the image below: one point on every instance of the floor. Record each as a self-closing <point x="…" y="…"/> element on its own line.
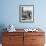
<point x="0" y="44"/>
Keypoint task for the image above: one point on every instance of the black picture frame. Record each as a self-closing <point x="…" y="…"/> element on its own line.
<point x="26" y="13"/>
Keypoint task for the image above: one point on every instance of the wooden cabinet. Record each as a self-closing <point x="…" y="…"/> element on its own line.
<point x="34" y="39"/>
<point x="12" y="39"/>
<point x="23" y="39"/>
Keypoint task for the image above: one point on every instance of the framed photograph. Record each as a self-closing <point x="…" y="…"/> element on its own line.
<point x="26" y="13"/>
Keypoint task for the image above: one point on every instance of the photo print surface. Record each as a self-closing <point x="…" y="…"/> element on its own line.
<point x="26" y="13"/>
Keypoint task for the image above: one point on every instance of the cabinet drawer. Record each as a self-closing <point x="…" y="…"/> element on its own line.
<point x="34" y="33"/>
<point x="20" y="44"/>
<point x="37" y="39"/>
<point x="37" y="44"/>
<point x="8" y="45"/>
<point x="13" y="33"/>
<point x="12" y="39"/>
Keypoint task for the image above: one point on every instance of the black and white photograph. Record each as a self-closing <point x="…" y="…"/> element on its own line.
<point x="26" y="13"/>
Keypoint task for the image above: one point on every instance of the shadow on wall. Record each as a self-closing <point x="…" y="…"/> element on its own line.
<point x="2" y="26"/>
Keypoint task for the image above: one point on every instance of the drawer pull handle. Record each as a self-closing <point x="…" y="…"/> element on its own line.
<point x="33" y="39"/>
<point x="10" y="38"/>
